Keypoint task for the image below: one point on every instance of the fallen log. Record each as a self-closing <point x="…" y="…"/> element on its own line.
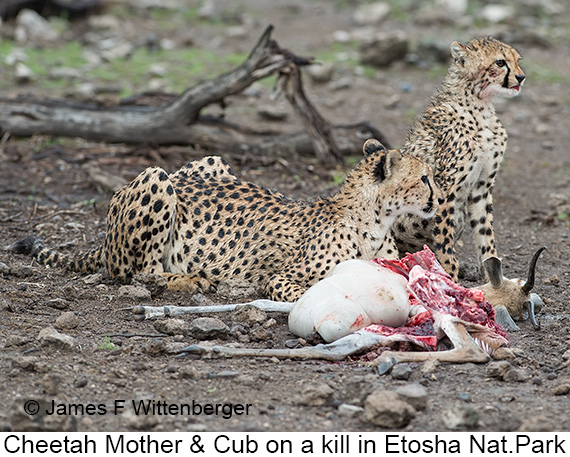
<point x="180" y="122"/>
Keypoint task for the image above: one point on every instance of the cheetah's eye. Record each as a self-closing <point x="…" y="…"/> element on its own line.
<point x="425" y="179"/>
<point x="501" y="63"/>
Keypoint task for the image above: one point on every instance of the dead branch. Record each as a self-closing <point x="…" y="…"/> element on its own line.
<point x="179" y="121"/>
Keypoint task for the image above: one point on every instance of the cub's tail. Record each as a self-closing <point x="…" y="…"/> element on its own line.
<point x="87" y="262"/>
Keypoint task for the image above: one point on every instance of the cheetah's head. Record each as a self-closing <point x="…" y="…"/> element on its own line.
<point x="402" y="184"/>
<point x="490" y="66"/>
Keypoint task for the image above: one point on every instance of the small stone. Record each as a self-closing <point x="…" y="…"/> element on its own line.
<point x="401" y="371"/>
<point x="49" y="336"/>
<point x="495" y="13"/>
<point x="228" y="374"/>
<point x="371" y="14"/>
<point x="59" y="303"/>
<point x="171" y="326"/>
<point x="189" y="372"/>
<point x="272" y="113"/>
<point x="538" y="423"/>
<point x="67" y="320"/>
<point x="415" y="394"/>
<point x="23" y="73"/>
<point x="386" y="409"/>
<point x="315" y="395"/>
<point x="346" y="410"/>
<point x="51" y="383"/>
<point x="385" y="49"/>
<point x="4" y="269"/>
<point x="260" y="333"/>
<point x="460" y="416"/>
<point x="154" y="283"/>
<point x="562" y="389"/>
<point x="208" y="328"/>
<point x="137" y="293"/>
<point x="32" y="27"/>
<point x="321" y="73"/>
<point x="497" y="369"/>
<point x="249" y="315"/>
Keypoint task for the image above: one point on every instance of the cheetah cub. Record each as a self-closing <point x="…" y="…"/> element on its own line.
<point x="460" y="136"/>
<point x="202" y="225"/>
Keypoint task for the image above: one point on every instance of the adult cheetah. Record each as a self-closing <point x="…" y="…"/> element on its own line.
<point x="460" y="136"/>
<point x="202" y="225"/>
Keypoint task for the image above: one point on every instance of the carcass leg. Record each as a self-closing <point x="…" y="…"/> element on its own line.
<point x="465" y="349"/>
<point x="338" y="350"/>
<point x="151" y="312"/>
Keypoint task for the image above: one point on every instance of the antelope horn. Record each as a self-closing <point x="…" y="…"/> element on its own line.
<point x="529" y="284"/>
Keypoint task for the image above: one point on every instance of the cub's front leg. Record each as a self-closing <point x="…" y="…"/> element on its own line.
<point x="444" y="239"/>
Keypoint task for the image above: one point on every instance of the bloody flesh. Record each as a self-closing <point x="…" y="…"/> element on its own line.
<point x="434" y="290"/>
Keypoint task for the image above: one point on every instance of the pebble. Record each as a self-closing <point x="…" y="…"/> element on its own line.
<point x="385" y="48"/>
<point x="460" y="416"/>
<point x="415" y="394"/>
<point x="249" y="315"/>
<point x="49" y="336"/>
<point x="171" y="326"/>
<point x="32" y="27"/>
<point x="208" y="328"/>
<point x="562" y="389"/>
<point x="260" y="333"/>
<point x="401" y="371"/>
<point x="504" y="371"/>
<point x="59" y="303"/>
<point x="347" y="410"/>
<point x="155" y="284"/>
<point x="371" y="14"/>
<point x="4" y="269"/>
<point x="136" y="293"/>
<point x="321" y="72"/>
<point x="67" y="320"/>
<point x="315" y="395"/>
<point x="386" y="409"/>
<point x="228" y="374"/>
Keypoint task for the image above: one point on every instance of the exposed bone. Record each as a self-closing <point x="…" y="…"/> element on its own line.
<point x="510" y="297"/>
<point x="151" y="312"/>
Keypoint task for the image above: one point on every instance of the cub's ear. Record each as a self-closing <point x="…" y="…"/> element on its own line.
<point x="371" y="146"/>
<point x="458" y="52"/>
<point x="386" y="164"/>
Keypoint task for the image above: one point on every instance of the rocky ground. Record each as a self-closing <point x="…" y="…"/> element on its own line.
<point x="67" y="339"/>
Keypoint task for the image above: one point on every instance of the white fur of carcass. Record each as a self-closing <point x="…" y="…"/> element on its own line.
<point x="356" y="294"/>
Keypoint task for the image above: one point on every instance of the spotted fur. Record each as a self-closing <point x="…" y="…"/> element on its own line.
<point x="461" y="137"/>
<point x="202" y="225"/>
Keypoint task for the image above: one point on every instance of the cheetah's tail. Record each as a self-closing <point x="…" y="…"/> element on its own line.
<point x="88" y="262"/>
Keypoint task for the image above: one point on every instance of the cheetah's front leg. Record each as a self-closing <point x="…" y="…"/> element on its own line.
<point x="283" y="287"/>
<point x="480" y="209"/>
<point x="444" y="239"/>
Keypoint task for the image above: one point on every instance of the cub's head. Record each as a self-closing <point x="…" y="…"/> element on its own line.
<point x="490" y="66"/>
<point x="403" y="184"/>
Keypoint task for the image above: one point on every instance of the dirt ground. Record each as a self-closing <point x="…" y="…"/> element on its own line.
<point x="45" y="189"/>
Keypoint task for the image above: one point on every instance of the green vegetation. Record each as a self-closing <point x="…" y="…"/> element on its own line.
<point x="106" y="344"/>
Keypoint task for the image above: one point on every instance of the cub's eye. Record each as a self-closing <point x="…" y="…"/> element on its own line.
<point x="501" y="63"/>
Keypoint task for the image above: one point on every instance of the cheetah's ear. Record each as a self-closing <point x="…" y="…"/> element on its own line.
<point x="385" y="166"/>
<point x="458" y="52"/>
<point x="371" y="146"/>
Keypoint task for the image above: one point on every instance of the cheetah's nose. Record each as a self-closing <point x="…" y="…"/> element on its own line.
<point x="520" y="78"/>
